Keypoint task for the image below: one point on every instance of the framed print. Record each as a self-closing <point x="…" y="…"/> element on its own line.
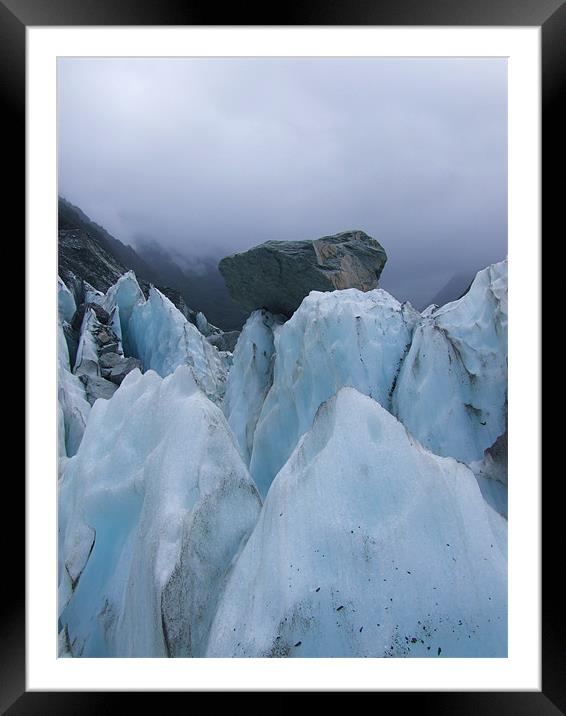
<point x="201" y="477"/>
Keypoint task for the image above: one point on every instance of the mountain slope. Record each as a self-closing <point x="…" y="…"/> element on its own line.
<point x="198" y="280"/>
<point x="71" y="217"/>
<point x="87" y="252"/>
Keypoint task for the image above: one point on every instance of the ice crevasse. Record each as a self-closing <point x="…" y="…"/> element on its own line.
<point x="382" y="550"/>
<point x="153" y="509"/>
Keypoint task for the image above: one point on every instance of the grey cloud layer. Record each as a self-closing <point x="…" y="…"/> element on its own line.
<point x="210" y="156"/>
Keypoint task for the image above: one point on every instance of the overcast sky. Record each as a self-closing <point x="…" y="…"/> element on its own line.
<point x="211" y="156"/>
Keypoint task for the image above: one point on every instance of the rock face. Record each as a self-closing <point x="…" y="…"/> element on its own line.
<point x="91" y="260"/>
<point x="277" y="275"/>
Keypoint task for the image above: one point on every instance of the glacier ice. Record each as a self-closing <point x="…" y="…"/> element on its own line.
<point x="115" y="325"/>
<point x="429" y="310"/>
<point x="250" y="377"/>
<point x="373" y="540"/>
<point x="335" y="339"/>
<point x="367" y="545"/>
<point x="491" y="473"/>
<point x="65" y="301"/>
<point x="86" y="361"/>
<point x="158" y="334"/>
<point x="153" y="509"/>
<point x="205" y="327"/>
<point x="163" y="339"/>
<point x="91" y="294"/>
<point x="73" y="407"/>
<point x="123" y="296"/>
<point x="452" y="388"/>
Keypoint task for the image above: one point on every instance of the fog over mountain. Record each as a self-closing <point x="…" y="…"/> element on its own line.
<point x="188" y="160"/>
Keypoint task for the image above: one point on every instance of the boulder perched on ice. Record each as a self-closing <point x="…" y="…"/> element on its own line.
<point x="451" y="393"/>
<point x="367" y="545"/>
<point x="335" y="339"/>
<point x="277" y="275"/>
<point x="153" y="510"/>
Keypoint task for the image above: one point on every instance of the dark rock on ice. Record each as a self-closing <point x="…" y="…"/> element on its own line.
<point x="97" y="387"/>
<point x="277" y="275"/>
<point x="109" y="348"/>
<point x="121" y="369"/>
<point x="109" y="360"/>
<point x="224" y="341"/>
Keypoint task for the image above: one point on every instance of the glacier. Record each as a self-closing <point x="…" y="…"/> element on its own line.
<point x="451" y="393"/>
<point x="376" y="436"/>
<point x="250" y="377"/>
<point x="153" y="509"/>
<point x="367" y="545"/>
<point x="72" y="405"/>
<point x="491" y="474"/>
<point x="122" y="297"/>
<point x="335" y="339"/>
<point x="158" y="334"/>
<point x="65" y="302"/>
<point x="86" y="362"/>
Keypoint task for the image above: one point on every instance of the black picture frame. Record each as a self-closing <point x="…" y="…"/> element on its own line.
<point x="15" y="16"/>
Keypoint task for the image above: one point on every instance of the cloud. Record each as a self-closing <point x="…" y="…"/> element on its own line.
<point x="210" y="156"/>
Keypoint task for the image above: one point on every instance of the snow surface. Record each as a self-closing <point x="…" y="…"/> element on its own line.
<point x="250" y="377"/>
<point x="367" y="545"/>
<point x="335" y="339"/>
<point x="152" y="511"/>
<point x="452" y="388"/>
